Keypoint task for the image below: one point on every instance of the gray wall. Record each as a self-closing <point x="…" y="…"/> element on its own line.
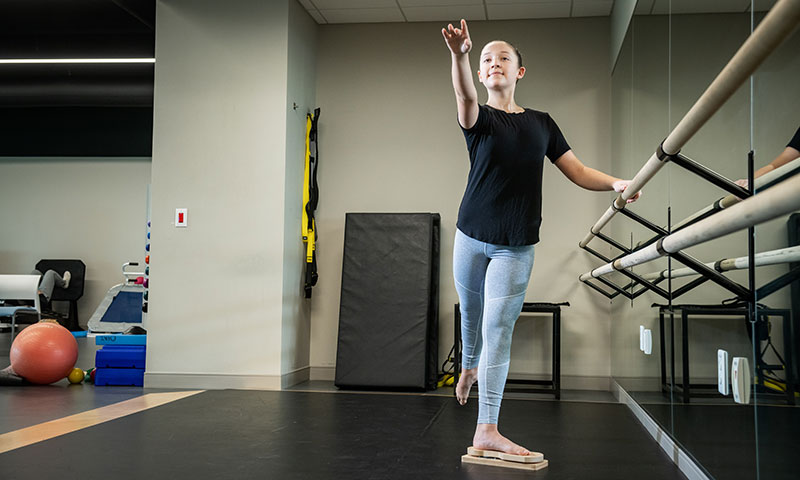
<point x="390" y="143"/>
<point x="301" y="83"/>
<point x="92" y="209"/>
<point x="220" y="149"/>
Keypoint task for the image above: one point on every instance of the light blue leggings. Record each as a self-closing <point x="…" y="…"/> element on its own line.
<point x="491" y="281"/>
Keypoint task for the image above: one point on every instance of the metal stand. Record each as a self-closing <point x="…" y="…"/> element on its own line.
<point x="547" y="386"/>
<point x="684" y="388"/>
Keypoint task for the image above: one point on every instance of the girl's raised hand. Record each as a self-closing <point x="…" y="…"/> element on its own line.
<point x="457" y="39"/>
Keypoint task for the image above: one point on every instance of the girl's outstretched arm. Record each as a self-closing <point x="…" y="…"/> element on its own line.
<point x="459" y="43"/>
<point x="589" y="178"/>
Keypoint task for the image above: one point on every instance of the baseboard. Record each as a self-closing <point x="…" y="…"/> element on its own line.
<point x="570" y="382"/>
<point x="639" y="384"/>
<point x="323" y="373"/>
<point x="684" y="462"/>
<point x="296" y="376"/>
<point x="212" y="381"/>
<point x="653" y="384"/>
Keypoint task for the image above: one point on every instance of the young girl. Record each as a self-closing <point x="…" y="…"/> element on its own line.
<point x="499" y="218"/>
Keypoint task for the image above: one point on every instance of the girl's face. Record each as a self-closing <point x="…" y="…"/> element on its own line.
<point x="499" y="66"/>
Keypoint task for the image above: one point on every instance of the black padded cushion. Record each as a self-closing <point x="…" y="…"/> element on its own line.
<point x="76" y="268"/>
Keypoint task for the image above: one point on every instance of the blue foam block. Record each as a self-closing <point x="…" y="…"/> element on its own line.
<point x="120" y="356"/>
<point x="119" y="376"/>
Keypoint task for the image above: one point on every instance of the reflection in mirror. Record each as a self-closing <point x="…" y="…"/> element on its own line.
<point x="709" y="318"/>
<point x="776" y="142"/>
<point x="672" y="53"/>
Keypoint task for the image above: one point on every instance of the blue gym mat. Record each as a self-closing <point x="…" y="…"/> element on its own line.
<point x="125" y="308"/>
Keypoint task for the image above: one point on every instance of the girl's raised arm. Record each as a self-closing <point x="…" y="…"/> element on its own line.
<point x="459" y="43"/>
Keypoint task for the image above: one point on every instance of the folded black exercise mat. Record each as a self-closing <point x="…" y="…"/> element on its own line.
<point x="389" y="307"/>
<point x="9" y="378"/>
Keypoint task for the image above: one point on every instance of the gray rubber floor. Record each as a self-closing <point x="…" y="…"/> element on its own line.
<point x="316" y="431"/>
<point x="304" y="435"/>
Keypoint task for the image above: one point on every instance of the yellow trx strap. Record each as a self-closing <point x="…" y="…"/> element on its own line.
<point x="310" y="199"/>
<point x="308" y="223"/>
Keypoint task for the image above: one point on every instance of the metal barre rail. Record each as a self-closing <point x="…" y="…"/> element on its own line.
<point x="776" y="27"/>
<point x="772" y="257"/>
<point x="779" y="200"/>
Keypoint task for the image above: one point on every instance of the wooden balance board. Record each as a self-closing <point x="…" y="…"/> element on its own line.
<point x="534" y="461"/>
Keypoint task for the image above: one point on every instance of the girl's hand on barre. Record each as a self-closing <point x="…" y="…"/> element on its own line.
<point x="621" y="185"/>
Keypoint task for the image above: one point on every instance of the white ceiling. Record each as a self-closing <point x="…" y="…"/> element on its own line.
<point x="383" y="11"/>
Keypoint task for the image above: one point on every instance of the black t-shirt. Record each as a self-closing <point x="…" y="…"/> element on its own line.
<point x="502" y="204"/>
<point x="795" y="141"/>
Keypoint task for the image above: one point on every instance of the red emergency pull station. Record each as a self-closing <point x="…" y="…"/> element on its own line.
<point x="181" y="217"/>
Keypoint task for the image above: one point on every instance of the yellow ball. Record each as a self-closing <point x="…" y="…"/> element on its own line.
<point x="76" y="375"/>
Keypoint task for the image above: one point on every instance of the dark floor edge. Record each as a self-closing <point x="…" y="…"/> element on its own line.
<point x="685" y="462"/>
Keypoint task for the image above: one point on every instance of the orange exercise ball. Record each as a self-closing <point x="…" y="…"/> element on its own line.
<point x="44" y="353"/>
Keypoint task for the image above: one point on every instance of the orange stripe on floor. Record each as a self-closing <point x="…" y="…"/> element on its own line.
<point x="45" y="431"/>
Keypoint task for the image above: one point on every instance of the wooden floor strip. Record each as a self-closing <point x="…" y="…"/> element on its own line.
<point x="62" y="426"/>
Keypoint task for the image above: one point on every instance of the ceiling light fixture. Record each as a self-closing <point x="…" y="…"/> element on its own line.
<point x="75" y="60"/>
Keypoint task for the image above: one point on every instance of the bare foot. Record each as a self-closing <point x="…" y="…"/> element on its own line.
<point x="465" y="382"/>
<point x="487" y="437"/>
